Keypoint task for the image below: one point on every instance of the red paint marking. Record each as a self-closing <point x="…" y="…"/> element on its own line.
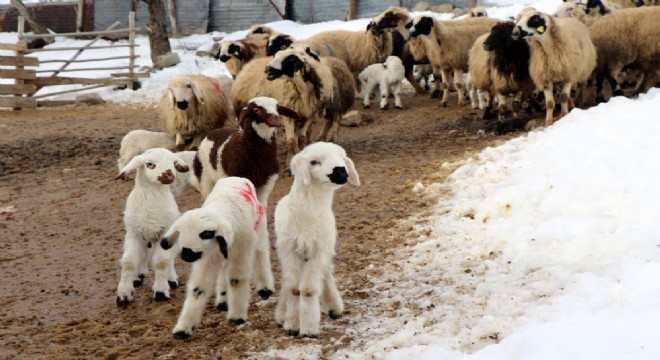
<point x="259" y="47"/>
<point x="216" y="84"/>
<point x="249" y="196"/>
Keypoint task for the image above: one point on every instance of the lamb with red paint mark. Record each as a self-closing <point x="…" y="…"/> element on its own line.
<point x="220" y="239"/>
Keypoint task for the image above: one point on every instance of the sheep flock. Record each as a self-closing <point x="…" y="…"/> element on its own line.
<point x="534" y="65"/>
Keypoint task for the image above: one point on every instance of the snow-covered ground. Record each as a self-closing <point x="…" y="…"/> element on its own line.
<point x="547" y="248"/>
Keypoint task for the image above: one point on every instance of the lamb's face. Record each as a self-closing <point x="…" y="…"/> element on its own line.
<point x="500" y="36"/>
<point x="393" y="60"/>
<point x="531" y="24"/>
<point x="263" y="115"/>
<point x="157" y="166"/>
<point x="198" y="232"/>
<point x="289" y="63"/>
<point x="422" y="25"/>
<point x="278" y="43"/>
<point x="260" y="29"/>
<point x="229" y="49"/>
<point x="324" y="164"/>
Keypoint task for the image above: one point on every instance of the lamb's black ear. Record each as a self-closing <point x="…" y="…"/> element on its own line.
<point x="223" y="245"/>
<point x="283" y="110"/>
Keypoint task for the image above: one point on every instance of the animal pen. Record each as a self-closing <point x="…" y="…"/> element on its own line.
<point x="22" y="94"/>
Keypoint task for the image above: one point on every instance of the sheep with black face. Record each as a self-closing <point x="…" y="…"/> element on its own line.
<point x="220" y="239"/>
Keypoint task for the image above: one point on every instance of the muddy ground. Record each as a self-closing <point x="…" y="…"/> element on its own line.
<point x="62" y="231"/>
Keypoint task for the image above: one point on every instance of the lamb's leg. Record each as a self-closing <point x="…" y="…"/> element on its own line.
<point x="334" y="131"/>
<point x="458" y="83"/>
<point x="221" y="287"/>
<point x="310" y="290"/>
<point x="397" y="95"/>
<point x="445" y="87"/>
<point x="475" y="97"/>
<point x="384" y="94"/>
<point x="280" y="309"/>
<point x="143" y="270"/>
<point x="501" y="106"/>
<point x="437" y="86"/>
<point x="134" y="252"/>
<point x="327" y="123"/>
<point x="565" y="98"/>
<point x="332" y="302"/>
<point x="200" y="286"/>
<point x="288" y="308"/>
<point x="239" y="274"/>
<point x="549" y="104"/>
<point x="263" y="275"/>
<point x="366" y="93"/>
<point x="163" y="264"/>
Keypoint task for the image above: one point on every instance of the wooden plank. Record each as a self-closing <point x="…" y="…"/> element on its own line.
<point x="18" y="74"/>
<point x="48" y="81"/>
<point x="88" y="60"/>
<point x="17" y="89"/>
<point x="18" y="102"/>
<point x="52" y="103"/>
<point x="135" y="75"/>
<point x="88" y="33"/>
<point x="72" y="90"/>
<point x="78" y="48"/>
<point x="86" y="69"/>
<point x="21" y="46"/>
<point x="19" y="61"/>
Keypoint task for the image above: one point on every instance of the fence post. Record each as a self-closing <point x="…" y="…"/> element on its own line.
<point x="131" y="49"/>
<point x="19" y="54"/>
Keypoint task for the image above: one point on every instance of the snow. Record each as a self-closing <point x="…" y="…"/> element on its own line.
<point x="548" y="246"/>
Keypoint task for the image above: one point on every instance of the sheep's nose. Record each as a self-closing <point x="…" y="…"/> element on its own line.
<point x="224" y="58"/>
<point x="167" y="177"/>
<point x="515" y="34"/>
<point x="188" y="255"/>
<point x="339" y="175"/>
<point x="183" y="104"/>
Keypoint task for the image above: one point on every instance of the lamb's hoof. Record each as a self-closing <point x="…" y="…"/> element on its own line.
<point x="139" y="282"/>
<point x="265" y="293"/>
<point x="173" y="284"/>
<point x="311" y="336"/>
<point x="443" y="104"/>
<point x="181" y="335"/>
<point x="160" y="296"/>
<point x="398" y="107"/>
<point x="237" y="321"/>
<point x="122" y="302"/>
<point x="436" y="94"/>
<point x="293" y="332"/>
<point x="600" y="99"/>
<point x="222" y="306"/>
<point x="366" y="106"/>
<point x="383" y="107"/>
<point x="279" y="325"/>
<point x="334" y="315"/>
<point x="617" y="93"/>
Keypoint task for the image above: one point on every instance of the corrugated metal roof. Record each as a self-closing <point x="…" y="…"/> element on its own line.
<point x="234" y="15"/>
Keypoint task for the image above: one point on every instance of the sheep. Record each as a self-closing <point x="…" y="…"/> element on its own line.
<point x="501" y="64"/>
<point x="639" y="3"/>
<point x="135" y="142"/>
<point x="220" y="240"/>
<point x="388" y="75"/>
<point x="571" y="9"/>
<point x="150" y="210"/>
<point x="236" y="53"/>
<point x="477" y="12"/>
<point x="448" y="45"/>
<point x="561" y="52"/>
<point x="191" y="106"/>
<point x="306" y="237"/>
<point x="626" y="37"/>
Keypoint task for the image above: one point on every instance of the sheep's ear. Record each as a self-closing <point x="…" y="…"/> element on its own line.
<point x="222" y="243"/>
<point x="132" y="165"/>
<point x="300" y="169"/>
<point x="353" y="176"/>
<point x="198" y="93"/>
<point x="181" y="166"/>
<point x="169" y="239"/>
<point x="170" y="96"/>
<point x="283" y="110"/>
<point x="242" y="117"/>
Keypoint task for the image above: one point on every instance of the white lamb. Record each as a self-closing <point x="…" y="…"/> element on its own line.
<point x="388" y="76"/>
<point x="306" y="236"/>
<point x="137" y="141"/>
<point x="150" y="210"/>
<point x="220" y="239"/>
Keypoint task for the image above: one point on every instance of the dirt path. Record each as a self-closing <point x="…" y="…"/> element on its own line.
<point x="61" y="238"/>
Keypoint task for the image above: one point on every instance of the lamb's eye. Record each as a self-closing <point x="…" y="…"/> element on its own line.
<point x="315" y="162"/>
<point x="207" y="234"/>
<point x="150" y="165"/>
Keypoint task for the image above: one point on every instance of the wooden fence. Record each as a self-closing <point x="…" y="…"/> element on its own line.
<point x="22" y="94"/>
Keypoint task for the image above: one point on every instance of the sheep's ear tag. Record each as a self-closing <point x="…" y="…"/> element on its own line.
<point x="297" y="73"/>
<point x="540" y="29"/>
<point x="236" y="52"/>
